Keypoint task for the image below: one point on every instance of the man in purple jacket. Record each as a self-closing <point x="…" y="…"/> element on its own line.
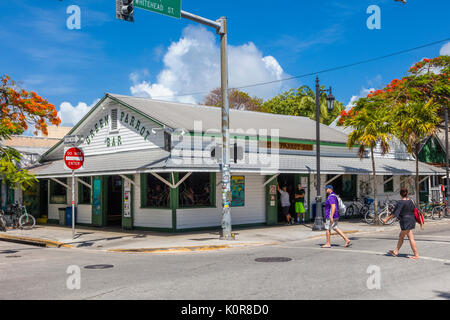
<point x="332" y="217"/>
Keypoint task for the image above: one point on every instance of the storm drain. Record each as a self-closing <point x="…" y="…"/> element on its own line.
<point x="12" y="256"/>
<point x="273" y="259"/>
<point x="99" y="266"/>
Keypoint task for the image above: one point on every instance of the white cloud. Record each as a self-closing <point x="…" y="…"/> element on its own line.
<point x="71" y="115"/>
<point x="192" y="65"/>
<point x="445" y="50"/>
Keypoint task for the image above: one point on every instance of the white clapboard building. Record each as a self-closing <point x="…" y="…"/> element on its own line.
<point x="151" y="165"/>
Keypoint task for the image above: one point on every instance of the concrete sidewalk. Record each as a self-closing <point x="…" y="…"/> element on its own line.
<point x="116" y="240"/>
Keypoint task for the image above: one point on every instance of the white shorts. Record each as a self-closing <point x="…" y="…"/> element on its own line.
<point x="333" y="226"/>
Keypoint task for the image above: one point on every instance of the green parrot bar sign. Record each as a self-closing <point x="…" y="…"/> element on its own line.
<point x="171" y="8"/>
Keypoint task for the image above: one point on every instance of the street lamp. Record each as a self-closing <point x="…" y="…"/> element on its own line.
<point x="318" y="221"/>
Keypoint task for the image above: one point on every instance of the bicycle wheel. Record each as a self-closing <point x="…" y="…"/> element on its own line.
<point x="438" y="213"/>
<point x="363" y="211"/>
<point x="446" y="212"/>
<point x="349" y="212"/>
<point x="369" y="217"/>
<point x="27" y="221"/>
<point x="383" y="215"/>
<point x="3" y="224"/>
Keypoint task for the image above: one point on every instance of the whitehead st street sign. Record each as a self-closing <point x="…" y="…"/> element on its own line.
<point x="171" y="8"/>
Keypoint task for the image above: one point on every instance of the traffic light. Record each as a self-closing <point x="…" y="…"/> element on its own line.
<point x="125" y="10"/>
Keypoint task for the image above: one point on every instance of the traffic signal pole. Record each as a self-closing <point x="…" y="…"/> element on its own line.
<point x="221" y="29"/>
<point x="124" y="11"/>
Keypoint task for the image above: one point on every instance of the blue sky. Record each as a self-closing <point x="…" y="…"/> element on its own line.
<point x="160" y="57"/>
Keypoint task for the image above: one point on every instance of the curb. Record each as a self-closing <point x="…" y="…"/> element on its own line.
<point x="171" y="250"/>
<point x="34" y="242"/>
<point x="187" y="249"/>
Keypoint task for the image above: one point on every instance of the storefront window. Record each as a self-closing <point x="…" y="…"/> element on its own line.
<point x="84" y="193"/>
<point x="196" y="191"/>
<point x="388" y="186"/>
<point x="58" y="193"/>
<point x="156" y="194"/>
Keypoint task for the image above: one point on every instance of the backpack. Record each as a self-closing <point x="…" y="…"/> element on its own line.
<point x="341" y="206"/>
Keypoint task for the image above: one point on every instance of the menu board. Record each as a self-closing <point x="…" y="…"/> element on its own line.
<point x="127" y="199"/>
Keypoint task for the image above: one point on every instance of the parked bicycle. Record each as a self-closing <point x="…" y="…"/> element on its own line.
<point x="16" y="216"/>
<point x="386" y="210"/>
<point x="440" y="211"/>
<point x="358" y="208"/>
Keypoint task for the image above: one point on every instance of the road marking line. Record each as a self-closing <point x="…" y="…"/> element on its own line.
<point x="378" y="253"/>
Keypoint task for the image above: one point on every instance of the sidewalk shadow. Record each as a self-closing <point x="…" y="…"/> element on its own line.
<point x="400" y="255"/>
<point x="444" y="295"/>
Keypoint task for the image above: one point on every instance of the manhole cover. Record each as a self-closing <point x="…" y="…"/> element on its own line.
<point x="273" y="259"/>
<point x="8" y="251"/>
<point x="99" y="266"/>
<point x="12" y="256"/>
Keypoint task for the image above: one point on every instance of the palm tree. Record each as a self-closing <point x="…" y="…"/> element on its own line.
<point x="371" y="127"/>
<point x="413" y="123"/>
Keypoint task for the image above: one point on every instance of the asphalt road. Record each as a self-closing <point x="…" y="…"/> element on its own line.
<point x="28" y="272"/>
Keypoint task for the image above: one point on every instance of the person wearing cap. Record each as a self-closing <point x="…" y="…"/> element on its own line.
<point x="332" y="217"/>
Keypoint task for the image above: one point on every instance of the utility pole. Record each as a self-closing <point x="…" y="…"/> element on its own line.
<point x="125" y="11"/>
<point x="221" y="28"/>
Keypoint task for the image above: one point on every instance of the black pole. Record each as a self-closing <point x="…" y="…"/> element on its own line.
<point x="318" y="221"/>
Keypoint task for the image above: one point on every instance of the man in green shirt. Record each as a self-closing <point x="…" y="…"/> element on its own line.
<point x="299" y="203"/>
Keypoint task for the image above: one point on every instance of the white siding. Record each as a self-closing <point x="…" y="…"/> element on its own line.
<point x="149" y="218"/>
<point x="96" y="133"/>
<point x="253" y="212"/>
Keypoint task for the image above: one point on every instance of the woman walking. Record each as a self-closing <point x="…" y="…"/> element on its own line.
<point x="404" y="211"/>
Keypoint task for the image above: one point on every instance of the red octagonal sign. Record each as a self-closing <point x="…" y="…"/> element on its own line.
<point x="74" y="158"/>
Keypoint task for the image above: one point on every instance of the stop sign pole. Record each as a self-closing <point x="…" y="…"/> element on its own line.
<point x="73" y="160"/>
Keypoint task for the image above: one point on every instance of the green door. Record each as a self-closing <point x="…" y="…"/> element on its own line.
<point x="99" y="195"/>
<point x="271" y="202"/>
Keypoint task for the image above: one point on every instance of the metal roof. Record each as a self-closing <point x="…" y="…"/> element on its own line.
<point x="116" y="163"/>
<point x="307" y="165"/>
<point x="160" y="161"/>
<point x="182" y="116"/>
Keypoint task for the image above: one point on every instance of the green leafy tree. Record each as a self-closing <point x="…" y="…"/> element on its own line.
<point x="371" y="126"/>
<point x="418" y="103"/>
<point x="414" y="105"/>
<point x="413" y="122"/>
<point x="302" y="102"/>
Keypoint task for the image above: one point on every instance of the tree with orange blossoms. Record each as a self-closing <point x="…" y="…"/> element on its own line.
<point x="20" y="109"/>
<point x="414" y="105"/>
<point x="418" y="103"/>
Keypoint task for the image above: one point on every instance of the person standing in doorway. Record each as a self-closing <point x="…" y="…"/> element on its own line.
<point x="285" y="204"/>
<point x="332" y="217"/>
<point x="299" y="197"/>
<point x="404" y="211"/>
